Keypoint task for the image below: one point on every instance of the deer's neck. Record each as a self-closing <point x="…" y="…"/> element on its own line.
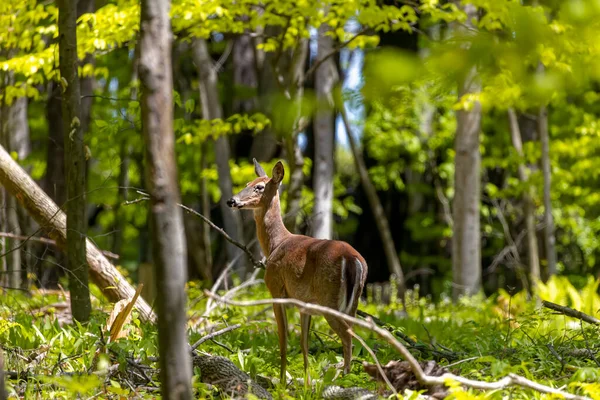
<point x="269" y="226"/>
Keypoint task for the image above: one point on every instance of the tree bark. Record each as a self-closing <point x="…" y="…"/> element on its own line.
<point x="549" y="239"/>
<point x="87" y="83"/>
<point x="265" y="146"/>
<point x="205" y="229"/>
<point x="54" y="180"/>
<point x="244" y="74"/>
<point x="466" y="239"/>
<point x="3" y="394"/>
<point x="14" y="135"/>
<point x="74" y="162"/>
<point x="324" y="130"/>
<point x="528" y="206"/>
<point x="166" y="219"/>
<point x="293" y="151"/>
<point x="212" y="109"/>
<point x="377" y="209"/>
<point x="125" y="157"/>
<point x="46" y="213"/>
<point x="120" y="221"/>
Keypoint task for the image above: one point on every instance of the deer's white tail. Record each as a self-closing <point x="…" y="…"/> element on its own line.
<point x="352" y="271"/>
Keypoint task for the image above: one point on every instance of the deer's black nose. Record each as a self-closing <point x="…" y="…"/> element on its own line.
<point x="231" y="202"/>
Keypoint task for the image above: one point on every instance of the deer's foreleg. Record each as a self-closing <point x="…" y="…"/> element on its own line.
<point x="281" y="320"/>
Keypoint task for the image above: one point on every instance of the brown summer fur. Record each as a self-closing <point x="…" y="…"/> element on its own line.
<point x="312" y="270"/>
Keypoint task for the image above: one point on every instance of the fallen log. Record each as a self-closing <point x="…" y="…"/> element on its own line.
<point x="53" y="220"/>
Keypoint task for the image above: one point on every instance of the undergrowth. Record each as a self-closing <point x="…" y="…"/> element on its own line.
<point x="480" y="338"/>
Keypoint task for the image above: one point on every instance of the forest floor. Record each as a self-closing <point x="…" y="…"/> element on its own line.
<point x="476" y="338"/>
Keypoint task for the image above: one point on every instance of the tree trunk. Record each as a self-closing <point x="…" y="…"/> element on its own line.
<point x="549" y="239"/>
<point x="466" y="239"/>
<point x="244" y="74"/>
<point x="528" y="206"/>
<point x="3" y="241"/>
<point x="37" y="203"/>
<point x="3" y="394"/>
<point x="87" y="83"/>
<point x="125" y="157"/>
<point x="324" y="130"/>
<point x="166" y="222"/>
<point x="205" y="229"/>
<point x="264" y="146"/>
<point x="212" y="109"/>
<point x="54" y="180"/>
<point x="377" y="209"/>
<point x="120" y="221"/>
<point x="14" y="135"/>
<point x="293" y="151"/>
<point x="74" y="162"/>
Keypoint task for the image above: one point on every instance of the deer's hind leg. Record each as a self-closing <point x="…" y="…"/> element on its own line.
<point x="341" y="327"/>
<point x="304" y="334"/>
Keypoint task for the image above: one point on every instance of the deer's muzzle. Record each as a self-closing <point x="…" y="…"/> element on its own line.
<point x="233" y="203"/>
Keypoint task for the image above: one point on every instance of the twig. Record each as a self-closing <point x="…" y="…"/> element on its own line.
<point x="47" y="241"/>
<point x="333" y="52"/>
<point x="587" y="346"/>
<point x="461" y="361"/>
<point x="555" y="354"/>
<point x="253" y="260"/>
<point x="570" y="312"/>
<point x="374" y="357"/>
<point x="214" y="335"/>
<point x="422" y="377"/>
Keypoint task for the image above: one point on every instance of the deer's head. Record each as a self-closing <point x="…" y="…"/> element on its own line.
<point x="259" y="192"/>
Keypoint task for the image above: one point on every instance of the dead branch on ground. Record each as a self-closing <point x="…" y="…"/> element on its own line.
<point x="571" y="312"/>
<point x="422" y="377"/>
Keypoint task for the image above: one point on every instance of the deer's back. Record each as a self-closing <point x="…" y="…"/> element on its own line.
<point x="310" y="269"/>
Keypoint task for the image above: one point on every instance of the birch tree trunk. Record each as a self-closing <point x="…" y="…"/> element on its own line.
<point x="166" y="219"/>
<point x="74" y="162"/>
<point x="324" y="130"/>
<point x="549" y="238"/>
<point x="212" y="109"/>
<point x="466" y="239"/>
<point x="528" y="206"/>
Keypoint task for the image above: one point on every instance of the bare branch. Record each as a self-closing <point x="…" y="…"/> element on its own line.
<point x="48" y="241"/>
<point x="255" y="262"/>
<point x="214" y="335"/>
<point x="333" y="52"/>
<point x="570" y="312"/>
<point x="422" y="377"/>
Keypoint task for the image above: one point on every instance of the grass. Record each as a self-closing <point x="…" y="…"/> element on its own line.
<point x="477" y="337"/>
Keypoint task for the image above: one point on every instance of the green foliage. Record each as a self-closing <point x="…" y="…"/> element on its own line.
<point x="488" y="337"/>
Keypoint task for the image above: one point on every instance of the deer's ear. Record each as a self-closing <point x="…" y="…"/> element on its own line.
<point x="258" y="169"/>
<point x="278" y="172"/>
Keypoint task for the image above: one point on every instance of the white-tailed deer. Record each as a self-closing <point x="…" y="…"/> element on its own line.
<point x="325" y="272"/>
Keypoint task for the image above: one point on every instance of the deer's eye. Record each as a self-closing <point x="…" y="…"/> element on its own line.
<point x="259" y="188"/>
